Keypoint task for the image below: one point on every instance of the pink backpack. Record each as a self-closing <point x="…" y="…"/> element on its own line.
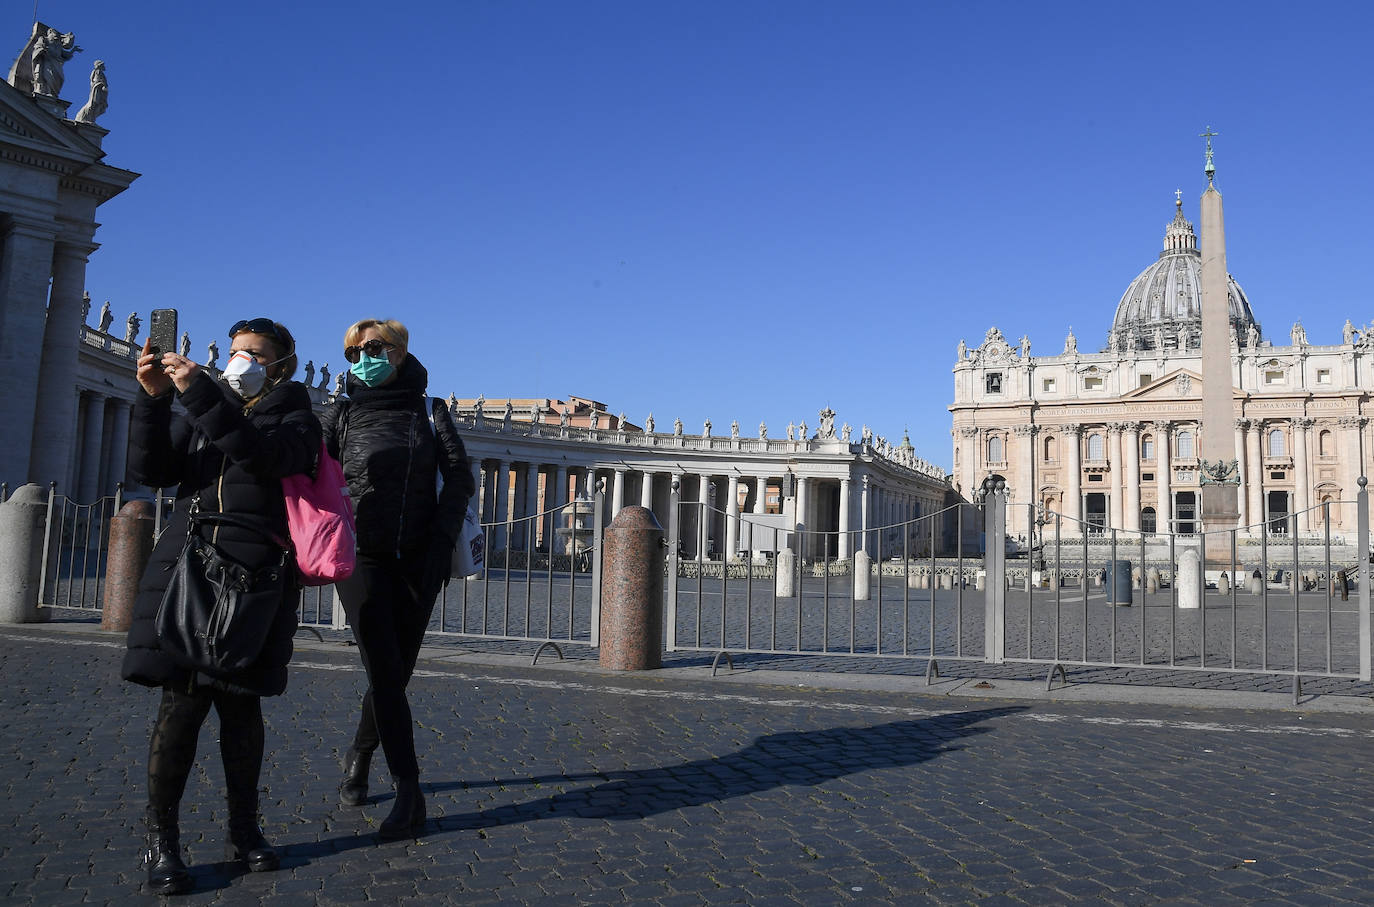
<point x="319" y="514"/>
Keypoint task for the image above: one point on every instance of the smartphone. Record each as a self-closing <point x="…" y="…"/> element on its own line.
<point x="162" y="332"/>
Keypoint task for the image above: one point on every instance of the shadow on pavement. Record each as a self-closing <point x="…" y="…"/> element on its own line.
<point x="771" y="761"/>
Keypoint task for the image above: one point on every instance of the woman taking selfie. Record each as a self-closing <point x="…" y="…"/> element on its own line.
<point x="226" y="454"/>
<point x="393" y="443"/>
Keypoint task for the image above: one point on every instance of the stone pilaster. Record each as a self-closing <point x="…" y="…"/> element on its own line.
<point x="1302" y="485"/>
<point x="1073" y="477"/>
<point x="1130" y="447"/>
<point x="25" y="266"/>
<point x="1164" y="508"/>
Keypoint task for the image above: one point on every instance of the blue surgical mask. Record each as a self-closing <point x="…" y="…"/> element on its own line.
<point x="371" y="370"/>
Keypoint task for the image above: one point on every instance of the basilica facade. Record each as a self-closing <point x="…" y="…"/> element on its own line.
<point x="1112" y="438"/>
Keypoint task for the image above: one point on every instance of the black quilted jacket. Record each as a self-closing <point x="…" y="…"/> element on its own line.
<point x="235" y="463"/>
<point x="383" y="438"/>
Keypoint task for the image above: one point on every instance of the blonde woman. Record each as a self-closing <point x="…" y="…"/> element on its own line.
<point x="393" y="442"/>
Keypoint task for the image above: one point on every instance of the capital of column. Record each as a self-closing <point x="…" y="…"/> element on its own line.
<point x="1023" y="431"/>
<point x="81" y="252"/>
<point x="1242" y="424"/>
<point x="1163" y="427"/>
<point x="1304" y="423"/>
<point x="1074" y="430"/>
<point x="31" y="227"/>
<point x="968" y="431"/>
<point x="1132" y="428"/>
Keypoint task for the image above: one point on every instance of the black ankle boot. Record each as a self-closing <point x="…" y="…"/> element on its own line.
<point x="247" y="844"/>
<point x="167" y="874"/>
<point x="407" y="814"/>
<point x="353" y="790"/>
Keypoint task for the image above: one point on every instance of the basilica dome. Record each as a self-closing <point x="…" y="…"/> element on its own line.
<point x="1163" y="306"/>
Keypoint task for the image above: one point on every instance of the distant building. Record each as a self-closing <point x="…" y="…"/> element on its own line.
<point x="1111" y="437"/>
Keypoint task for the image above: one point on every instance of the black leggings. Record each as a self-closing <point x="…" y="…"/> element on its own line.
<point x="172" y="747"/>
<point x="389" y="614"/>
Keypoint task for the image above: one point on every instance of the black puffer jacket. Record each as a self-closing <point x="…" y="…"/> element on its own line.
<point x="234" y="462"/>
<point x="383" y="439"/>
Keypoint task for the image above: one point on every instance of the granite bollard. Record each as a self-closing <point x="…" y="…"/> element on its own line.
<point x="785" y="573"/>
<point x="131" y="544"/>
<point x="21" y="554"/>
<point x="863" y="567"/>
<point x="1189" y="577"/>
<point x="632" y="592"/>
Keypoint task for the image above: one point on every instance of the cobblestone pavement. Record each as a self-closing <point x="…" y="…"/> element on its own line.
<point x="558" y="783"/>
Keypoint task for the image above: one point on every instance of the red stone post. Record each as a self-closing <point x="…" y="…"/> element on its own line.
<point x="131" y="543"/>
<point x="632" y="592"/>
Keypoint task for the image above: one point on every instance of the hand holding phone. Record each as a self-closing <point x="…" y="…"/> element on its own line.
<point x="162" y="332"/>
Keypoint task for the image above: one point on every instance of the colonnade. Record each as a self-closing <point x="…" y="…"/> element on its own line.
<point x="744" y="515"/>
<point x="101" y="452"/>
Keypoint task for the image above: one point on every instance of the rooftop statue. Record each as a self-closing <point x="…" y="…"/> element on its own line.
<point x="50" y="51"/>
<point x="131" y="327"/>
<point x="1348" y="332"/>
<point x="649" y="425"/>
<point x="185" y="347"/>
<point x="106" y="317"/>
<point x="763" y="431"/>
<point x="212" y="356"/>
<point x="99" y="101"/>
<point x="324" y="376"/>
<point x="309" y="371"/>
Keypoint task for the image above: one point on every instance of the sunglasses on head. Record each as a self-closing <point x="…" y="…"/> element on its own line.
<point x="257" y="326"/>
<point x="373" y="348"/>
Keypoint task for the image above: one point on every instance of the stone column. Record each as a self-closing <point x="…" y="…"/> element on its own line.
<point x="25" y="265"/>
<point x="803" y="515"/>
<point x="732" y="519"/>
<point x="560" y="487"/>
<point x="55" y="408"/>
<point x="1164" y="510"/>
<point x="968" y="460"/>
<point x="1302" y="484"/>
<point x="1130" y="448"/>
<point x="501" y="508"/>
<point x="531" y="506"/>
<point x="843" y="550"/>
<point x="1019" y="518"/>
<point x="760" y="540"/>
<point x="1242" y="472"/>
<point x="1118" y="486"/>
<point x="865" y="501"/>
<point x="646" y="490"/>
<point x="703" y="515"/>
<point x="1255" y="458"/>
<point x="122" y="412"/>
<point x="617" y="491"/>
<point x="92" y="438"/>
<point x="1073" y="476"/>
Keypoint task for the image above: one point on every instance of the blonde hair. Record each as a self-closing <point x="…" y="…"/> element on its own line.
<point x="392" y="331"/>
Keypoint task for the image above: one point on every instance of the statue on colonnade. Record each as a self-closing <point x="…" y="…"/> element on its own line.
<point x="50" y="51"/>
<point x="99" y="101"/>
<point x="131" y="327"/>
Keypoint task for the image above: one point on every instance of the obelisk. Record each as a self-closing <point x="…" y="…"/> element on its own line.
<point x="1220" y="473"/>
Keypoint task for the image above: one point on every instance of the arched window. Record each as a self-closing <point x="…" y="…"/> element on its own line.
<point x="1095" y="447"/>
<point x="1276" y="443"/>
<point x="1324" y="448"/>
<point x="995" y="449"/>
<point x="1147" y="447"/>
<point x="1050" y="453"/>
<point x="1147" y="520"/>
<point x="1185" y="445"/>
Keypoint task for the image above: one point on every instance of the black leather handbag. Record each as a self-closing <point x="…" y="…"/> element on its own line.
<point x="216" y="612"/>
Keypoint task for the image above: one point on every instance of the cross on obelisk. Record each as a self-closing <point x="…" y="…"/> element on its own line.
<point x="1221" y="482"/>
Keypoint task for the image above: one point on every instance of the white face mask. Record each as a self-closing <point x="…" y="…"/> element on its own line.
<point x="244" y="375"/>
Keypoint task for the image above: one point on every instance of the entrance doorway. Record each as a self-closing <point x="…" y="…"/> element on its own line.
<point x="1186" y="504"/>
<point x="1095" y="511"/>
<point x="1277" y="502"/>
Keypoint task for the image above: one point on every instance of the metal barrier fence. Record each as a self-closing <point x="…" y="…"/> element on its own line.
<point x="76" y="542"/>
<point x="528" y="593"/>
<point x="1248" y="600"/>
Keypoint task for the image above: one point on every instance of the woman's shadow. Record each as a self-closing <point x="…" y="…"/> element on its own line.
<point x="773" y="760"/>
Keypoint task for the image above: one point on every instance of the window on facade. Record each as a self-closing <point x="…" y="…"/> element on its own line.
<point x="1276" y="443"/>
<point x="994" y="382"/>
<point x="1147" y="521"/>
<point x="1095" y="448"/>
<point x="995" y="450"/>
<point x="1051" y="453"/>
<point x="1185" y="445"/>
<point x="1048" y="385"/>
<point x="1147" y="447"/>
<point x="1324" y="448"/>
<point x="1273" y="376"/>
<point x="1092" y="383"/>
<point x="1323" y="376"/>
<point x="1146" y="379"/>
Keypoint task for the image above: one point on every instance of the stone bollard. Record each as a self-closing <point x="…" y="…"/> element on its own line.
<point x="131" y="543"/>
<point x="1224" y="583"/>
<point x="1189" y="575"/>
<point x="980" y="581"/>
<point x="863" y="565"/>
<point x="946" y="581"/>
<point x="1256" y="584"/>
<point x="913" y="579"/>
<point x="632" y="592"/>
<point x="785" y="573"/>
<point x="1152" y="579"/>
<point x="21" y="554"/>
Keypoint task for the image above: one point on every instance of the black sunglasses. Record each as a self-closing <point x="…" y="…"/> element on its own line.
<point x="373" y="348"/>
<point x="257" y="326"/>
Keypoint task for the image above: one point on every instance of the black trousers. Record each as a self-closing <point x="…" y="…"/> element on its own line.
<point x="389" y="612"/>
<point x="172" y="747"/>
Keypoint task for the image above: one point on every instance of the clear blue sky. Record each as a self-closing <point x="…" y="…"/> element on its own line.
<point x="710" y="209"/>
